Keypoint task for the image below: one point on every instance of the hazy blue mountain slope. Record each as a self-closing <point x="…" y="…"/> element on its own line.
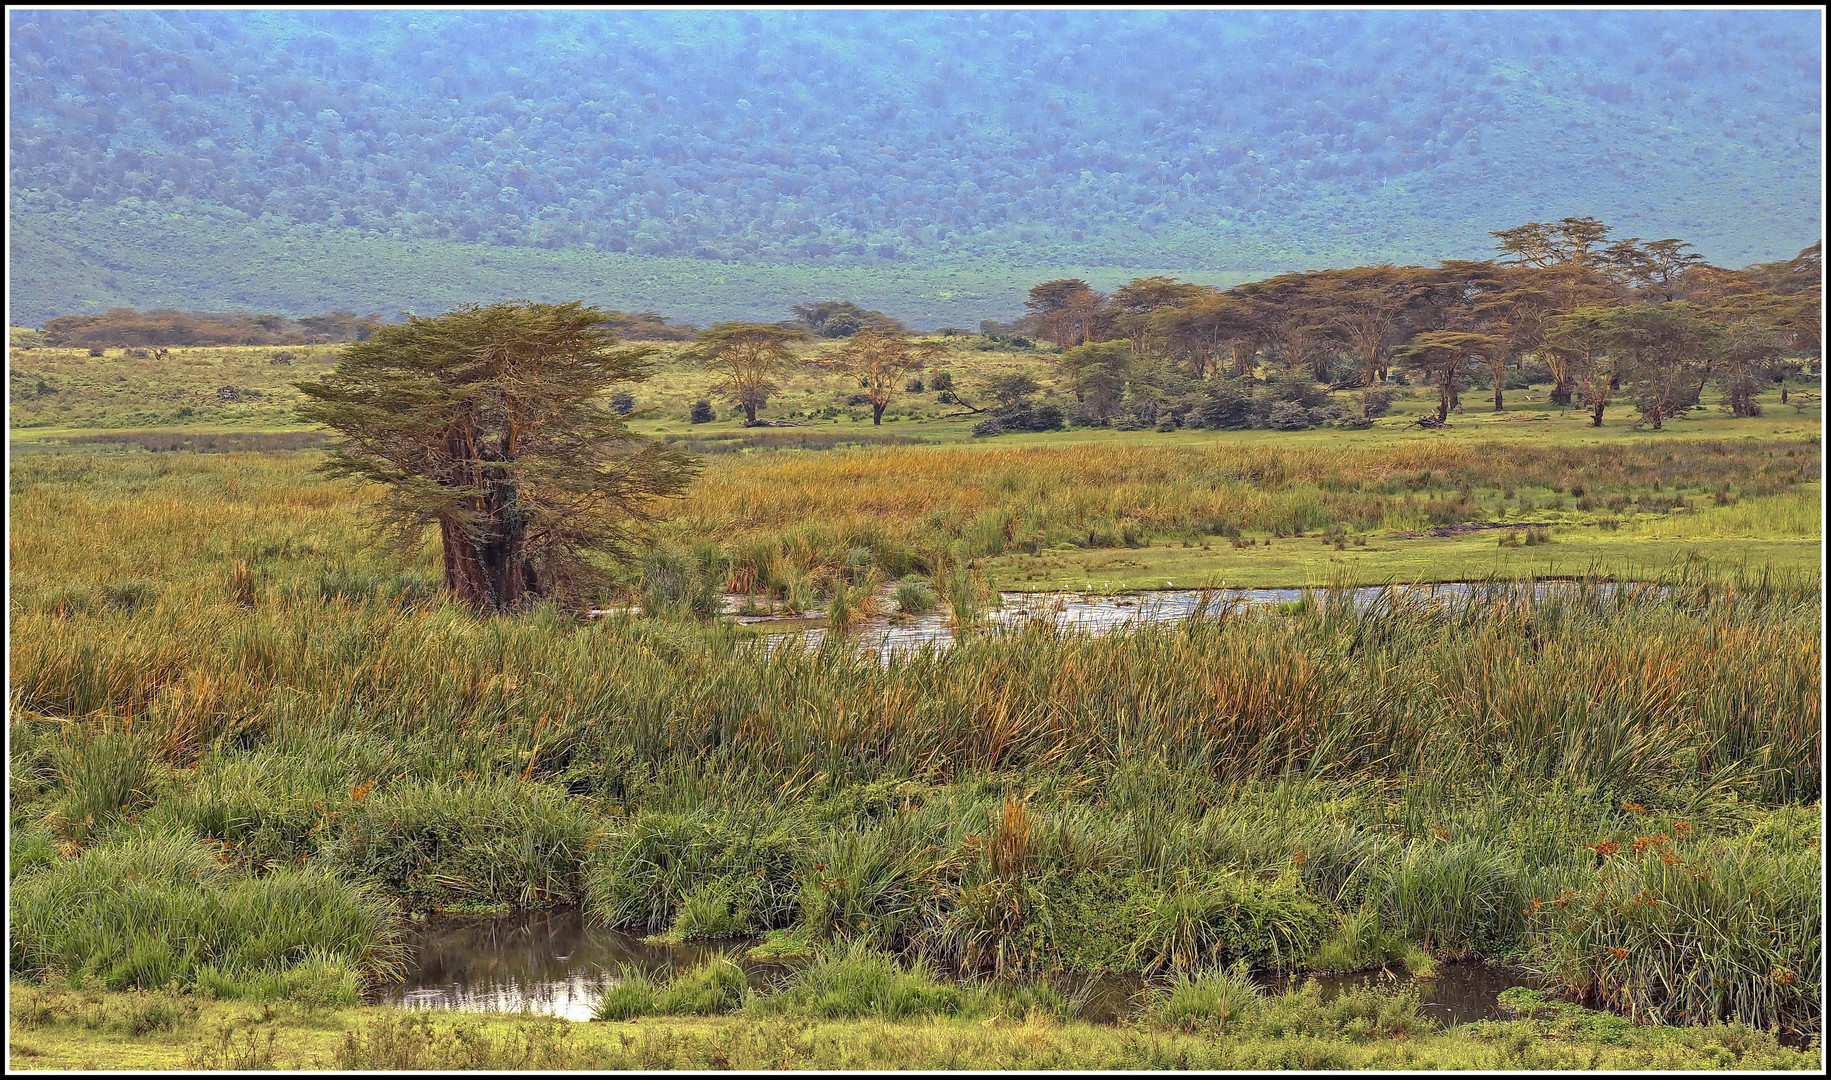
<point x="1199" y="140"/>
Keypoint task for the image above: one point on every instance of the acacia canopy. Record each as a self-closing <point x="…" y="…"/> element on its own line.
<point x="749" y="355"/>
<point x="485" y="422"/>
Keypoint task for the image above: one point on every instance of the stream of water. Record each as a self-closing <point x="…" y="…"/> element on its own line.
<point x="556" y="962"/>
<point x="892" y="634"/>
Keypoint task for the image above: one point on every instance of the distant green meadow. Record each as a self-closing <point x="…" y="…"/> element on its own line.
<point x="208" y="259"/>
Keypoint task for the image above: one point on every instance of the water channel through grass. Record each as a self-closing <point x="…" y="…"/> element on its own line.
<point x="895" y="633"/>
<point x="556" y="962"/>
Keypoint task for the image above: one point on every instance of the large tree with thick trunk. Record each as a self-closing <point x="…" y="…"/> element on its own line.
<point x="486" y="424"/>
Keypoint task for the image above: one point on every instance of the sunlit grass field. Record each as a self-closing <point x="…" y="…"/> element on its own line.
<point x="54" y="392"/>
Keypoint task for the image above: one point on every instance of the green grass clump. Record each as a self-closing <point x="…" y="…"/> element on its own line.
<point x="104" y="776"/>
<point x="644" y="873"/>
<point x="151" y="908"/>
<point x="784" y="946"/>
<point x="1354" y="1014"/>
<point x="707" y="913"/>
<point x="716" y="987"/>
<point x="1680" y="932"/>
<point x="1207" y="1000"/>
<point x="1220" y="918"/>
<point x="438" y="843"/>
<point x="1360" y="942"/>
<point x="270" y="810"/>
<point x="853" y="980"/>
<point x="1455" y="899"/>
<point x="915" y="597"/>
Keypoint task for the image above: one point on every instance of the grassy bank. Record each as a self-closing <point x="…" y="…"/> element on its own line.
<point x="87" y="1030"/>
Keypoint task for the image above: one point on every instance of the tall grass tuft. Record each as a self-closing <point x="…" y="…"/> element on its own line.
<point x="1211" y="999"/>
<point x="715" y="987"/>
<point x="853" y="980"/>
<point x="104" y="776"/>
<point x="914" y="597"/>
<point x="1679" y="932"/>
<point x="1220" y="918"/>
<point x="437" y="843"/>
<point x="151" y="908"/>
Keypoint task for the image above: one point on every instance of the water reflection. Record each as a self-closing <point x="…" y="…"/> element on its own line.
<point x="551" y="961"/>
<point x="1100" y="614"/>
<point x="556" y="962"/>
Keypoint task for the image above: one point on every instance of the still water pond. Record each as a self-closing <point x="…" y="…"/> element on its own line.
<point x="556" y="962"/>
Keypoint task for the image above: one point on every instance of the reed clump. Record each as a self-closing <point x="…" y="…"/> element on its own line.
<point x="151" y="908"/>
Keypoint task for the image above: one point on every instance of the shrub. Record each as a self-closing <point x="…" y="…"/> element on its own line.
<point x="701" y="413"/>
<point x="985" y="429"/>
<point x="623" y="403"/>
<point x="1289" y="416"/>
<point x="1228" y="407"/>
<point x="1032" y="418"/>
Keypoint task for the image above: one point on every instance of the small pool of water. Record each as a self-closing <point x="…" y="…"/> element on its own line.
<point x="556" y="962"/>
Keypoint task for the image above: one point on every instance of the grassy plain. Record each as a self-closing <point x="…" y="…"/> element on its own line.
<point x="206" y="259"/>
<point x="1084" y="508"/>
<point x="220" y="694"/>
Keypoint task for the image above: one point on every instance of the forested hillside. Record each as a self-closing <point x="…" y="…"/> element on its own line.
<point x="1218" y="141"/>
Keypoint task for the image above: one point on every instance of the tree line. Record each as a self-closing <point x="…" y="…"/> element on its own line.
<point x="1598" y="318"/>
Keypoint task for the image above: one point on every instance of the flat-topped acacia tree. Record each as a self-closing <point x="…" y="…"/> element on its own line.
<point x="748" y="355"/>
<point x="486" y="423"/>
<point x="880" y="359"/>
